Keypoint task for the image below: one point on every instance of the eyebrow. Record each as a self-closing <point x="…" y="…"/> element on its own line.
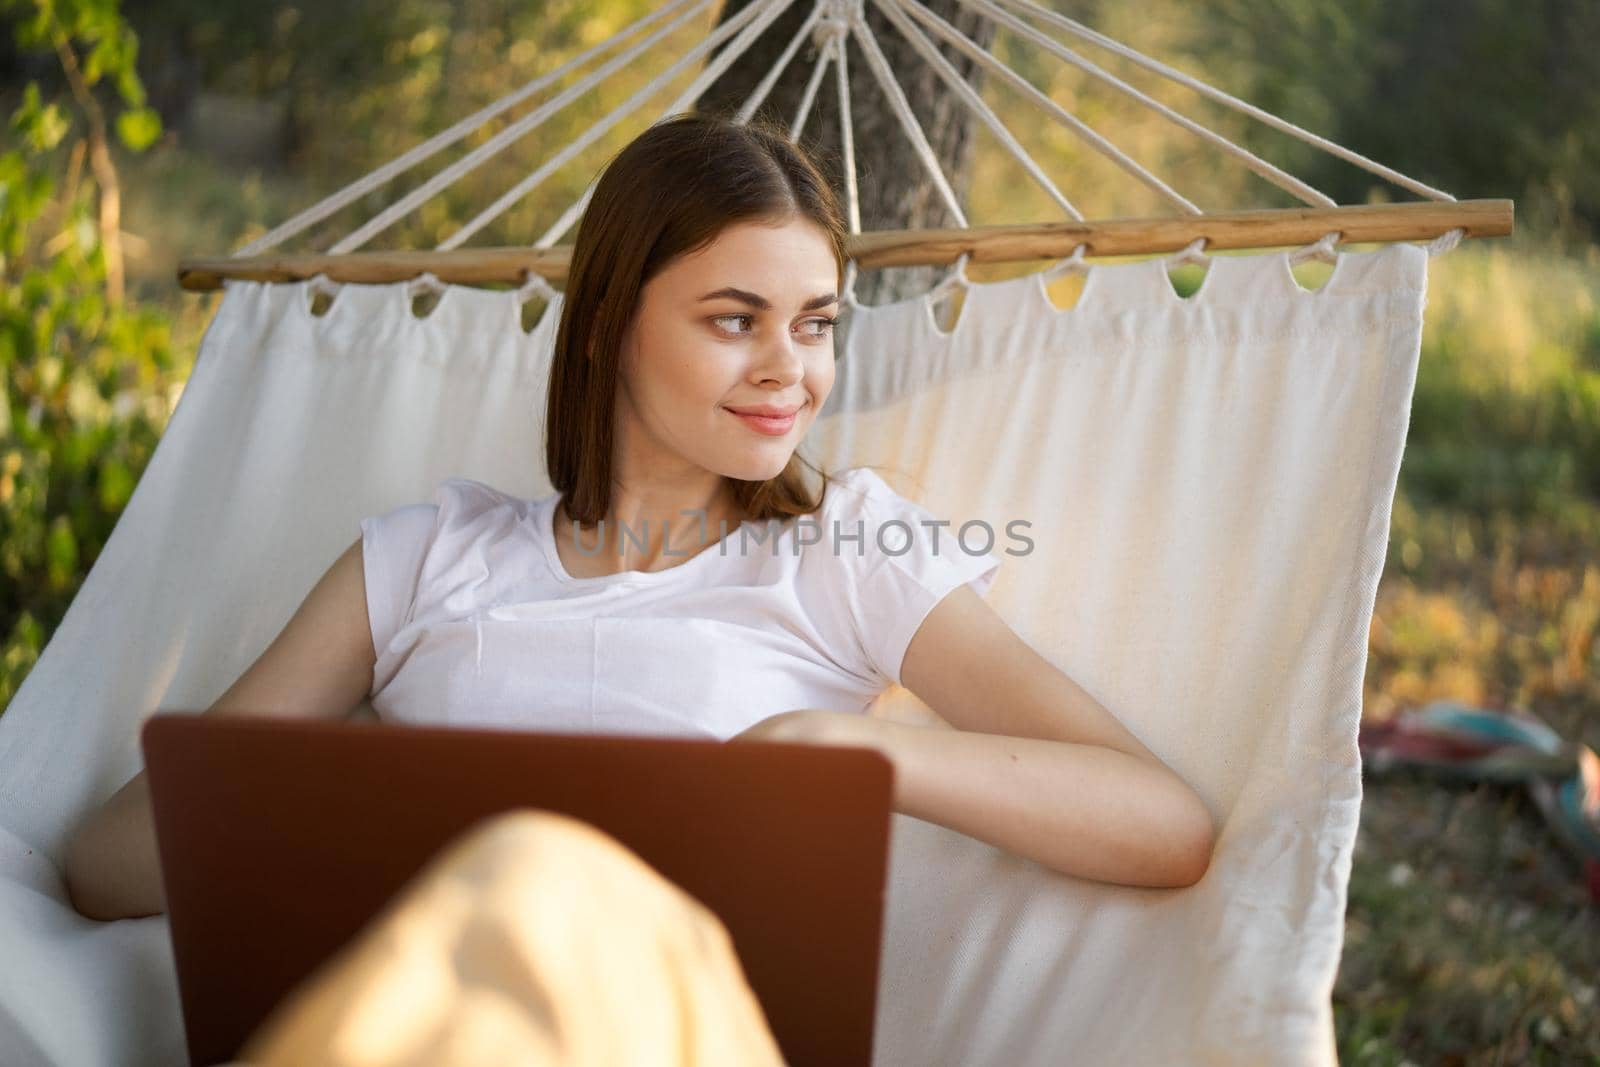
<point x="755" y="300"/>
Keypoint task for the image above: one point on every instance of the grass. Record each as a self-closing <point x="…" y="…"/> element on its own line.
<point x="1470" y="938"/>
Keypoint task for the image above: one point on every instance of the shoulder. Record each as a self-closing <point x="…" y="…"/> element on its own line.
<point x="862" y="494"/>
<point x="857" y="489"/>
<point x="473" y="518"/>
<point x="468" y="496"/>
<point x="862" y="479"/>
<point x="458" y="511"/>
<point x="887" y="560"/>
<point x="456" y="506"/>
<point x="883" y="524"/>
<point x="467" y="505"/>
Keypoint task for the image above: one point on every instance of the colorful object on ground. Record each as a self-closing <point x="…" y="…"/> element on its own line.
<point x="1510" y="746"/>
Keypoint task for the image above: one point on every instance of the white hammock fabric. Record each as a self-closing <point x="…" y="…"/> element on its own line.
<point x="1208" y="483"/>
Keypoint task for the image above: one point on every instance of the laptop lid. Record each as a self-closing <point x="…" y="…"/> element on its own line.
<point x="281" y="838"/>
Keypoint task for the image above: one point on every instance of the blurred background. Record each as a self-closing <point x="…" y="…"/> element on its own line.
<point x="142" y="132"/>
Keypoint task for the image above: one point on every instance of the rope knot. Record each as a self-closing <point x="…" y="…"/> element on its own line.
<point x="834" y="23"/>
<point x="829" y="29"/>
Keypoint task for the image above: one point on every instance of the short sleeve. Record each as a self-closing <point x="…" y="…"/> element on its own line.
<point x="905" y="561"/>
<point x="392" y="549"/>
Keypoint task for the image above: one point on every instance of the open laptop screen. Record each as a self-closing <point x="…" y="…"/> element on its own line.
<point x="281" y="838"/>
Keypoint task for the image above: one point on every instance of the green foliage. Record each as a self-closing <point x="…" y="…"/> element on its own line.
<point x="110" y="46"/>
<point x="86" y="377"/>
<point x="1483" y="98"/>
<point x="1506" y="414"/>
<point x="139" y="128"/>
<point x="357" y="84"/>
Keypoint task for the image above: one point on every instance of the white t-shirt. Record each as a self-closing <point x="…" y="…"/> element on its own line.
<point x="477" y="623"/>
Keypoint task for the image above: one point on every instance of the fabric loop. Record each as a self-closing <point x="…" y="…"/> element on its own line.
<point x="1446" y="241"/>
<point x="848" y="296"/>
<point x="1193" y="252"/>
<point x="321" y="284"/>
<point x="1322" y="248"/>
<point x="957" y="276"/>
<point x="426" y="282"/>
<point x="535" y="283"/>
<point x="1075" y="261"/>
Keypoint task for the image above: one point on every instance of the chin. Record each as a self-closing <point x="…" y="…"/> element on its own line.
<point x="760" y="468"/>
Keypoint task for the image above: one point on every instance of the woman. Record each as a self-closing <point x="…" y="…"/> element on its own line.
<point x="694" y="352"/>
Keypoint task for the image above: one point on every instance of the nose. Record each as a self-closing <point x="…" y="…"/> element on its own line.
<point x="780" y="363"/>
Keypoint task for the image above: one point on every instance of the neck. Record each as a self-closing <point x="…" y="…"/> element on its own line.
<point x="645" y="535"/>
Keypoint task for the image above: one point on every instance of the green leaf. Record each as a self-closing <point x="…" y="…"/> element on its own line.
<point x="139" y="128"/>
<point x="40" y="126"/>
<point x="116" y="484"/>
<point x="61" y="549"/>
<point x="130" y="87"/>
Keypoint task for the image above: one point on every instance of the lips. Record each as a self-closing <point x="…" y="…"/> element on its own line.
<point x="769" y="425"/>
<point x="766" y="411"/>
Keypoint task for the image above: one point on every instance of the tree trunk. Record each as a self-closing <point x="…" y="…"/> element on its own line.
<point x="896" y="191"/>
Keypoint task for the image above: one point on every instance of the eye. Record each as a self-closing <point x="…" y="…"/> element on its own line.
<point x="828" y="323"/>
<point x="725" y="318"/>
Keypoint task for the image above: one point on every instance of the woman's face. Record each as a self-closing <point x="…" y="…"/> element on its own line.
<point x="742" y="323"/>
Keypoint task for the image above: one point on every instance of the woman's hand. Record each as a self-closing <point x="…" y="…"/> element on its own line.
<point x="813" y="726"/>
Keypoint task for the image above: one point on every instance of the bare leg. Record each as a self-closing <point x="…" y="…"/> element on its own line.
<point x="533" y="939"/>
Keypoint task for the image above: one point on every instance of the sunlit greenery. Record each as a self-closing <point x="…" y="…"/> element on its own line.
<point x="89" y="378"/>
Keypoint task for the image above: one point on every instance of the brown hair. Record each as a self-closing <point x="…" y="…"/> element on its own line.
<point x="668" y="193"/>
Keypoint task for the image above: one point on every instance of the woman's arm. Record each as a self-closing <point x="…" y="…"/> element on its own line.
<point x="319" y="666"/>
<point x="1082" y="809"/>
<point x="1035" y="765"/>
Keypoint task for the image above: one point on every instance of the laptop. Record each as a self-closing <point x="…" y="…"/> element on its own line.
<point x="281" y="838"/>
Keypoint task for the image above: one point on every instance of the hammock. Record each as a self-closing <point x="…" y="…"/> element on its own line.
<point x="1208" y="482"/>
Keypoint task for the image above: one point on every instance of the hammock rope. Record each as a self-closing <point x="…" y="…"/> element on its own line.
<point x="828" y="26"/>
<point x="847" y="127"/>
<point x="838" y="30"/>
<point x="1261" y="167"/>
<point x="428" y="189"/>
<point x="972" y="49"/>
<point x="821" y="38"/>
<point x="1280" y="124"/>
<point x="760" y="17"/>
<point x="440" y="141"/>
<point x="833" y="46"/>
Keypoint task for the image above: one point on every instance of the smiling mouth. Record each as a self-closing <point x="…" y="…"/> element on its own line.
<point x="771" y="425"/>
<point x="767" y="412"/>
